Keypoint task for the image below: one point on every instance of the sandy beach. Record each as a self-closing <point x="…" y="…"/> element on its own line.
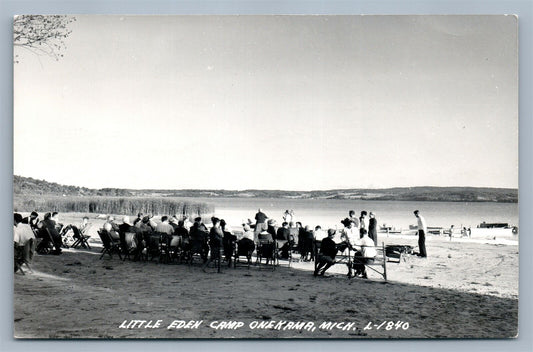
<point x="464" y="289"/>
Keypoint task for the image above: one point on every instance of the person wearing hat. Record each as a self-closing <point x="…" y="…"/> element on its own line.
<point x="246" y="244"/>
<point x="326" y="257"/>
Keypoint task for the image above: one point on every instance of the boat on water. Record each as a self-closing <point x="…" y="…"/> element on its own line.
<point x="494" y="231"/>
<point x="486" y="231"/>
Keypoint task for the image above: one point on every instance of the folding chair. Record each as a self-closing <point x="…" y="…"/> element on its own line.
<point x="164" y="247"/>
<point x="280" y="244"/>
<point x="266" y="249"/>
<point x="130" y="245"/>
<point x="82" y="240"/>
<point x="153" y="248"/>
<point x="243" y="249"/>
<point x="18" y="252"/>
<point x="45" y="245"/>
<point x="175" y="248"/>
<point x="110" y="246"/>
<point x="197" y="247"/>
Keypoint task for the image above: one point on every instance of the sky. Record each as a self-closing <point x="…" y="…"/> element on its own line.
<point x="272" y="102"/>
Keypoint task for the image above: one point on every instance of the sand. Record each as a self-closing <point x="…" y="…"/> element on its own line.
<point x="464" y="289"/>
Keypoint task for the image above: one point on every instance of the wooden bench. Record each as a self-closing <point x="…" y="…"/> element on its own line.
<point x="380" y="260"/>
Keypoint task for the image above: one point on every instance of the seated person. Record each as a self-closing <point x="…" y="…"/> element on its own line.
<point x="55" y="218"/>
<point x="112" y="228"/>
<point x="181" y="233"/>
<point x="50" y="225"/>
<point x="348" y="235"/>
<point x="266" y="246"/>
<point x="307" y="244"/>
<point x="84" y="226"/>
<point x="228" y="240"/>
<point x="215" y="242"/>
<point x="199" y="238"/>
<point x="246" y="243"/>
<point x="24" y="241"/>
<point x="272" y="227"/>
<point x="164" y="226"/>
<point x="328" y="251"/>
<point x="365" y="254"/>
<point x="31" y="220"/>
<point x="265" y="236"/>
<point x="282" y="237"/>
<point x="138" y="220"/>
<point x="125" y="227"/>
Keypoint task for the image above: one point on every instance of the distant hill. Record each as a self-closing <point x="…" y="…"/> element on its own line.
<point x="29" y="186"/>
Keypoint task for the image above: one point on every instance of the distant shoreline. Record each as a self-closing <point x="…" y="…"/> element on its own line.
<point x="28" y="187"/>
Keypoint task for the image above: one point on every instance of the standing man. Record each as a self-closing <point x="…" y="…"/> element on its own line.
<point x="261" y="222"/>
<point x="363" y="222"/>
<point x="353" y="218"/>
<point x="373" y="228"/>
<point x="422" y="230"/>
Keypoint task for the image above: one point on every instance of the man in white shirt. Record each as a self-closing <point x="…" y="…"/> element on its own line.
<point x="24" y="242"/>
<point x="349" y="234"/>
<point x="23" y="232"/>
<point x="422" y="230"/>
<point x="365" y="254"/>
<point x="164" y="226"/>
<point x="320" y="234"/>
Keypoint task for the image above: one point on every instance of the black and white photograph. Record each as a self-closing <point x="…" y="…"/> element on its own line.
<point x="265" y="176"/>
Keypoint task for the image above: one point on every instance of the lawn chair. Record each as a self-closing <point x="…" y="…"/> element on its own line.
<point x="130" y="245"/>
<point x="243" y="249"/>
<point x="293" y="240"/>
<point x="266" y="249"/>
<point x="153" y="248"/>
<point x="280" y="260"/>
<point x="110" y="246"/>
<point x="19" y="258"/>
<point x="45" y="241"/>
<point x="164" y="247"/>
<point x="197" y="247"/>
<point x="175" y="248"/>
<point x="81" y="238"/>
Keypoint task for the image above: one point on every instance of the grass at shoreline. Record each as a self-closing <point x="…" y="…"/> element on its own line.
<point x="110" y="205"/>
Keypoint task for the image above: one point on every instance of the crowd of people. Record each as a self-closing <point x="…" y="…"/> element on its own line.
<point x="359" y="235"/>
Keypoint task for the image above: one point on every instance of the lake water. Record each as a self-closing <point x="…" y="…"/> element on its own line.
<point x="398" y="214"/>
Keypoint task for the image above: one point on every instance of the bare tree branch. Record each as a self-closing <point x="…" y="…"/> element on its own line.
<point x="44" y="34"/>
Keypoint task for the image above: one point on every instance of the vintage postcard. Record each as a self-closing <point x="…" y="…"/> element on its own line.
<point x="265" y="177"/>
